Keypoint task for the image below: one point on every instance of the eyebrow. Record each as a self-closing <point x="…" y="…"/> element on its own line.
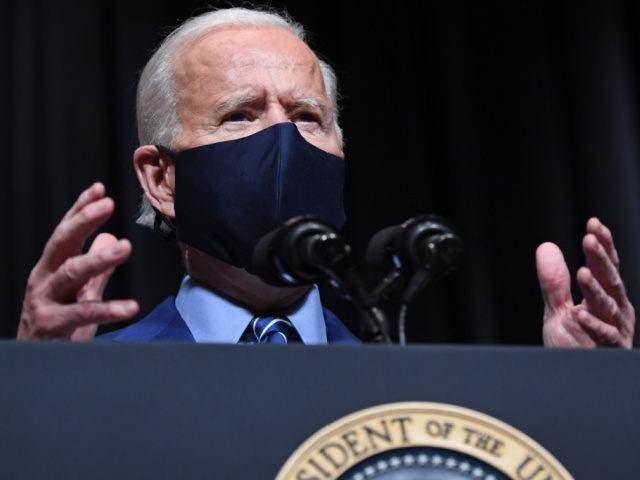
<point x="312" y="102"/>
<point x="233" y="103"/>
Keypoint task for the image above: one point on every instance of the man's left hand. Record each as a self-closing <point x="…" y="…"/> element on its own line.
<point x="605" y="317"/>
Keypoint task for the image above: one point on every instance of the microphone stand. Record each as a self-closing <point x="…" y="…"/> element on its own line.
<point x="337" y="265"/>
<point x="307" y="250"/>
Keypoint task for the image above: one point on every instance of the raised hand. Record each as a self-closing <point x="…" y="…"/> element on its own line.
<point x="63" y="298"/>
<point x="605" y="317"/>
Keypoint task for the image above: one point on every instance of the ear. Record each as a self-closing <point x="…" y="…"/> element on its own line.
<point x="156" y="174"/>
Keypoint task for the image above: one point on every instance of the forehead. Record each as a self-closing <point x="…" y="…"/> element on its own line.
<point x="235" y="54"/>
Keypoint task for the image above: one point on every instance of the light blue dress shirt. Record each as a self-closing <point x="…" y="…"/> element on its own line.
<point x="214" y="319"/>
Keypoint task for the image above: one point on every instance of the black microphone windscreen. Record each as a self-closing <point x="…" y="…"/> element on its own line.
<point x="285" y="257"/>
<point x="264" y="260"/>
<point x="379" y="254"/>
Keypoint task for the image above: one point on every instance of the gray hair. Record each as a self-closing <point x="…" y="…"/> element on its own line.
<point x="156" y="101"/>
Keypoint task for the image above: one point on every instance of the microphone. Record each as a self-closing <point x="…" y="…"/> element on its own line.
<point x="414" y="254"/>
<point x="307" y="250"/>
<point x="296" y="253"/>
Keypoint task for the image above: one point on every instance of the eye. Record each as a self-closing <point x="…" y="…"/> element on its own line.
<point x="308" y="117"/>
<point x="236" y="117"/>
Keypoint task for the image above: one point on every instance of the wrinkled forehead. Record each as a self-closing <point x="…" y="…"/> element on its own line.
<point x="236" y="47"/>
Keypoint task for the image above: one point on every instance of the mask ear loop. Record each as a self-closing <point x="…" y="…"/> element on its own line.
<point x="164" y="226"/>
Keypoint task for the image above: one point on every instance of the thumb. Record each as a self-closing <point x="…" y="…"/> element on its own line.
<point x="84" y="333"/>
<point x="94" y="288"/>
<point x="553" y="276"/>
<point x="92" y="291"/>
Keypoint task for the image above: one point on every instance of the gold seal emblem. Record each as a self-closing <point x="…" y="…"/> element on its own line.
<point x="417" y="441"/>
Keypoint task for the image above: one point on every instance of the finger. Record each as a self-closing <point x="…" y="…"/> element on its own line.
<point x="75" y="272"/>
<point x="600" y="332"/>
<point x="553" y="275"/>
<point x="71" y="233"/>
<point x="94" y="288"/>
<point x="604" y="236"/>
<point x="84" y="334"/>
<point x="598" y="302"/>
<point x="603" y="269"/>
<point x="60" y="321"/>
<point x="91" y="194"/>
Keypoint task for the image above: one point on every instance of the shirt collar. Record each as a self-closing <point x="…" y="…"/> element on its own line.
<point x="214" y="319"/>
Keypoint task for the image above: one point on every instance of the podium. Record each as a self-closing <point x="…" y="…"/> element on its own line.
<point x="196" y="411"/>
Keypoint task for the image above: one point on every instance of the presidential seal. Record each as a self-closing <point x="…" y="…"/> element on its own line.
<point x="421" y="441"/>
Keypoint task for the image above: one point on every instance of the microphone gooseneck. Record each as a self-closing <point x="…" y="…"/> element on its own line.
<point x="307" y="250"/>
<point x="411" y="255"/>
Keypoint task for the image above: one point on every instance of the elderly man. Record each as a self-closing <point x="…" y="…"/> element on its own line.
<point x="238" y="122"/>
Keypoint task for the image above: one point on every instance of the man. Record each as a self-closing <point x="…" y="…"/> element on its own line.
<point x="224" y="92"/>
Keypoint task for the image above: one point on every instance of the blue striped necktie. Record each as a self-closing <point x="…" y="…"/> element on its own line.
<point x="277" y="330"/>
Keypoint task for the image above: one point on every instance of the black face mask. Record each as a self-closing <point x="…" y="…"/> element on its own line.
<point x="230" y="194"/>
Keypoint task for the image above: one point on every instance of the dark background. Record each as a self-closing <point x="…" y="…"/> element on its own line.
<point x="515" y="120"/>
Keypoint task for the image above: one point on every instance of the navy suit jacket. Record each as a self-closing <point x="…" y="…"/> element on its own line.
<point x="165" y="323"/>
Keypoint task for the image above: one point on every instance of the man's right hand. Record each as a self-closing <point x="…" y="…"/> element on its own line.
<point x="63" y="299"/>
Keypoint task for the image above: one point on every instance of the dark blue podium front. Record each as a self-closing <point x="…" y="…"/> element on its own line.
<point x="169" y="411"/>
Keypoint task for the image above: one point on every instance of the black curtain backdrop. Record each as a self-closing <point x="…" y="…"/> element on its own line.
<point x="514" y="120"/>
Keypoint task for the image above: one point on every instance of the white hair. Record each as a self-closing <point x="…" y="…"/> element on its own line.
<point x="156" y="102"/>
